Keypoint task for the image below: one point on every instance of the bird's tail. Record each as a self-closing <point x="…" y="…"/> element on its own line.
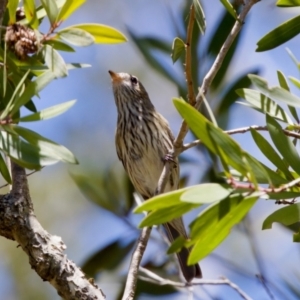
<point x="175" y="229"/>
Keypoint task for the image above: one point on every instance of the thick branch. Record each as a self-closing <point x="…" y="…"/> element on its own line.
<point x="45" y="251"/>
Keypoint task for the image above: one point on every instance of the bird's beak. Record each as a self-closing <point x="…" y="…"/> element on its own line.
<point x="114" y="77"/>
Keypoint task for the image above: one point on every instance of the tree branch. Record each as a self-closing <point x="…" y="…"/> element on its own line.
<point x="45" y="251"/>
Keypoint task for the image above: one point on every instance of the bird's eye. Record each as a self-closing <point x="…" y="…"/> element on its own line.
<point x="133" y="80"/>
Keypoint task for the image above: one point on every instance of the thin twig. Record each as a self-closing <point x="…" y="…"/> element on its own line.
<point x="154" y="278"/>
<point x="135" y="263"/>
<point x="259" y="261"/>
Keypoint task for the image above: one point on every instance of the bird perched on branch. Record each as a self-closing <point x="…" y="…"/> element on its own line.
<point x="143" y="141"/>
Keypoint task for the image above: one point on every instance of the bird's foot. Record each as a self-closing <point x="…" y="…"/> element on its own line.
<point x="169" y="158"/>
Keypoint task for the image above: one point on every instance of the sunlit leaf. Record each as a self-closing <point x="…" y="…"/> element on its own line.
<point x="264" y="104"/>
<point x="54" y="61"/>
<point x="12" y="6"/>
<point x="288" y="3"/>
<point x="102" y="34"/>
<point x="68" y="8"/>
<point x="48" y="113"/>
<point x="76" y="36"/>
<point x="178" y="48"/>
<point x="51" y="9"/>
<point x="279" y="35"/>
<point x="214" y="223"/>
<point x="30" y="13"/>
<point x="275" y="93"/>
<point x="199" y="16"/>
<point x="229" y="8"/>
<point x="206" y="193"/>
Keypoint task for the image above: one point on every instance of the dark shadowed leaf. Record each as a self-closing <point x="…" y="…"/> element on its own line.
<point x="279" y="35"/>
<point x="108" y="258"/>
<point x="275" y="93"/>
<point x="4" y="170"/>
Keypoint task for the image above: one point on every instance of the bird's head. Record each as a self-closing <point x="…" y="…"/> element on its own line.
<point x="128" y="89"/>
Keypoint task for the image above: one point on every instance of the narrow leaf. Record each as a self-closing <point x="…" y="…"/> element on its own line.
<point x="214" y="223"/>
<point x="48" y="113"/>
<point x="288" y="3"/>
<point x="178" y="48"/>
<point x="12" y="6"/>
<point x="263" y="104"/>
<point x="55" y="62"/>
<point x="199" y="15"/>
<point x="275" y="93"/>
<point x="283" y="144"/>
<point x="279" y="35"/>
<point x="103" y="34"/>
<point x="59" y="45"/>
<point x="229" y="8"/>
<point x="51" y="9"/>
<point x="4" y="170"/>
<point x="68" y="8"/>
<point x="30" y="13"/>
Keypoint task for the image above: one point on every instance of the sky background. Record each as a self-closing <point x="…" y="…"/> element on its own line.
<point x="88" y="128"/>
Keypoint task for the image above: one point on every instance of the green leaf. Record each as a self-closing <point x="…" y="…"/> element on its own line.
<point x="31" y="90"/>
<point x="164" y="200"/>
<point x="293" y="57"/>
<point x="30" y="13"/>
<point x="17" y="90"/>
<point x="76" y="37"/>
<point x="47" y="147"/>
<point x="199" y="125"/>
<point x="107" y="258"/>
<point x="282" y="195"/>
<point x="264" y="104"/>
<point x="295" y="81"/>
<point x="26" y="155"/>
<point x="178" y="48"/>
<point x="51" y="9"/>
<point x="287" y="215"/>
<point x="199" y="15"/>
<point x="214" y="223"/>
<point x="12" y="6"/>
<point x="164" y="215"/>
<point x="229" y="8"/>
<point x="283" y="144"/>
<point x="59" y="45"/>
<point x="55" y="62"/>
<point x="4" y="170"/>
<point x="270" y="153"/>
<point x="68" y="8"/>
<point x="47" y="113"/>
<point x="206" y="193"/>
<point x="279" y="35"/>
<point x="177" y="245"/>
<point x="102" y="34"/>
<point x="288" y="3"/>
<point x="283" y="83"/>
<point x="73" y="66"/>
<point x="275" y="93"/>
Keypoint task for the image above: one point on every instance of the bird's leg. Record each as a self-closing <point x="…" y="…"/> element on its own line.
<point x="169" y="157"/>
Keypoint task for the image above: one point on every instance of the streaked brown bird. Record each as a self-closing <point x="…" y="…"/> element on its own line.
<point x="143" y="141"/>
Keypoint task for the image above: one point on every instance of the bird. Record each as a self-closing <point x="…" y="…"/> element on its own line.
<point x="143" y="141"/>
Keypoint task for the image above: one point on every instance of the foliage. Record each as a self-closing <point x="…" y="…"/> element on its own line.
<point x="30" y="61"/>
